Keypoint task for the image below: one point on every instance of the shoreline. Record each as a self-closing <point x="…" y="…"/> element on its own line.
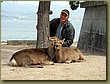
<point x="23" y="42"/>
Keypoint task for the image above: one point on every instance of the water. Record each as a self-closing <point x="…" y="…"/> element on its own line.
<point x="26" y="29"/>
<point x="18" y="29"/>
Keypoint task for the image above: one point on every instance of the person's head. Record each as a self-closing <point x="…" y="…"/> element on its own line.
<point x="64" y="15"/>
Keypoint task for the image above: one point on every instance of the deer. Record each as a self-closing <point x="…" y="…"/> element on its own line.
<point x="67" y="54"/>
<point x="34" y="56"/>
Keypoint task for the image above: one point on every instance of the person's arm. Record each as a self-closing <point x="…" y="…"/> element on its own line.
<point x="53" y="26"/>
<point x="69" y="37"/>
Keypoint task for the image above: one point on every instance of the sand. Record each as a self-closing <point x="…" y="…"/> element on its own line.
<point x="92" y="69"/>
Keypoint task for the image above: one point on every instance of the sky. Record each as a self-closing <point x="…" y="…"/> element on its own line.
<point x="37" y="2"/>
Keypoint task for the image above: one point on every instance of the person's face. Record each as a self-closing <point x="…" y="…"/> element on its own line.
<point x="63" y="17"/>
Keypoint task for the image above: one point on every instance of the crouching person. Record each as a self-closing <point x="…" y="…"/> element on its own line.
<point x="62" y="28"/>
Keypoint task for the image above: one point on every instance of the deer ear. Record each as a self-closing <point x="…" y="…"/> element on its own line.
<point x="56" y="37"/>
<point x="61" y="42"/>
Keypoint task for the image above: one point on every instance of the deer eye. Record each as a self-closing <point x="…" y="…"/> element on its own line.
<point x="52" y="44"/>
<point x="60" y="42"/>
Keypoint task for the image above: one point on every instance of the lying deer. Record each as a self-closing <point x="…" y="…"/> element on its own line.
<point x="34" y="56"/>
<point x="67" y="54"/>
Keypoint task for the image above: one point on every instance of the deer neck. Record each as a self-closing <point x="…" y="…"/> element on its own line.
<point x="51" y="52"/>
<point x="59" y="55"/>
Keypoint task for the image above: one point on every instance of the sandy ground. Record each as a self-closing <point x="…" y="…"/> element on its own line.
<point x="92" y="69"/>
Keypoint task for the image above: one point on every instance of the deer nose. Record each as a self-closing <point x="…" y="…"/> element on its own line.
<point x="56" y="45"/>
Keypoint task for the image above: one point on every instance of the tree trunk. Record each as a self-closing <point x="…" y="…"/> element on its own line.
<point x="43" y="24"/>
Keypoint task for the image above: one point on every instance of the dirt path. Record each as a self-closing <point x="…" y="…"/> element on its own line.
<point x="93" y="69"/>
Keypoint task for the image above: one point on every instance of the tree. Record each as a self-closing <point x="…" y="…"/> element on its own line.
<point x="43" y="24"/>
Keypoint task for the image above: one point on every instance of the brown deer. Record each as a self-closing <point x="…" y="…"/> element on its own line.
<point x="66" y="54"/>
<point x="34" y="56"/>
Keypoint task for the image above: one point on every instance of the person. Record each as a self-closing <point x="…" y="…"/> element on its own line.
<point x="62" y="28"/>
